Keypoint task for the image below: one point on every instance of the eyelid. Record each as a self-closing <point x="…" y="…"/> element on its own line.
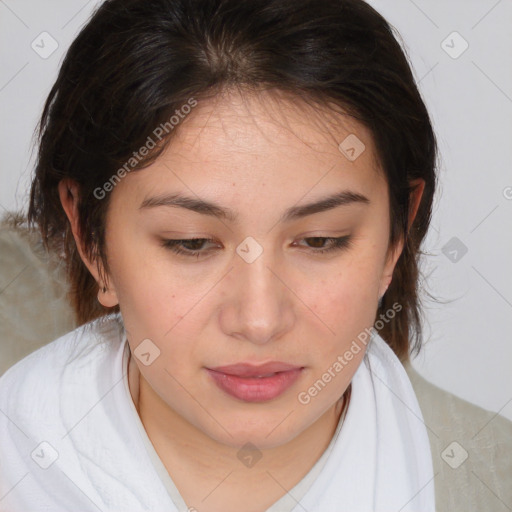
<point x="174" y="245"/>
<point x="338" y="244"/>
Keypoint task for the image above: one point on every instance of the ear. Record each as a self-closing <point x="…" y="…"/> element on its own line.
<point x="418" y="186"/>
<point x="69" y="197"/>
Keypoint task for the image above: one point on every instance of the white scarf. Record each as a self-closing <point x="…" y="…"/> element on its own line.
<point x="69" y="440"/>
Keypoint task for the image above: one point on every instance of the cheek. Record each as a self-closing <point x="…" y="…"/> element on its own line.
<point x="147" y="293"/>
<point x="158" y="304"/>
<point x="347" y="295"/>
<point x="137" y="264"/>
<point x="344" y="306"/>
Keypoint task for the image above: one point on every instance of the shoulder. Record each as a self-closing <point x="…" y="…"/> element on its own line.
<point x="452" y="415"/>
<point x="33" y="383"/>
<point x="471" y="449"/>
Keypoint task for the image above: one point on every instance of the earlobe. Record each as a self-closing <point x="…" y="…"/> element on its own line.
<point x="106" y="297"/>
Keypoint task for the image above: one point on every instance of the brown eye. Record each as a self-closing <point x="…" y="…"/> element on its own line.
<point x="187" y="246"/>
<point x="318" y="243"/>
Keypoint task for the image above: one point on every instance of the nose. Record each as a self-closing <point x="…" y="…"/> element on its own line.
<point x="258" y="303"/>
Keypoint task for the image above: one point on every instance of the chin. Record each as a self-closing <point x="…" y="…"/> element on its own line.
<point x="263" y="431"/>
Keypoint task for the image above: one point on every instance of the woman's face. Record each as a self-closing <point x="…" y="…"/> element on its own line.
<point x="259" y="289"/>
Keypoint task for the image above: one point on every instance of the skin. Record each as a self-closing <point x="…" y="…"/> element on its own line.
<point x="291" y="304"/>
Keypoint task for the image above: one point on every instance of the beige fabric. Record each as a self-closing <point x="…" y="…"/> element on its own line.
<point x="33" y="305"/>
<point x="34" y="311"/>
<point x="483" y="482"/>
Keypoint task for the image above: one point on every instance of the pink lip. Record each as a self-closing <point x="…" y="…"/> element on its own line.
<point x="241" y="381"/>
<point x="251" y="370"/>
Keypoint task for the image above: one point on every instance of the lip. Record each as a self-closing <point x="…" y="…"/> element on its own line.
<point x="240" y="380"/>
<point x="252" y="370"/>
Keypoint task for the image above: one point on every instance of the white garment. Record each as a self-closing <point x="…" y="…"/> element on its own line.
<point x="69" y="440"/>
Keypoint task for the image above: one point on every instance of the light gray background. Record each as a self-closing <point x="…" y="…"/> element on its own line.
<point x="469" y="347"/>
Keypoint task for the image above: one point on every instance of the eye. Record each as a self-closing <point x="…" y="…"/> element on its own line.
<point x="335" y="243"/>
<point x="188" y="246"/>
<point x="194" y="246"/>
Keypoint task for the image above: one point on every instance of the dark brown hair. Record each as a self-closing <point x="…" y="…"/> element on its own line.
<point x="136" y="61"/>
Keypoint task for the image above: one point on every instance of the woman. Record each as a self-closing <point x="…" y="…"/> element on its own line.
<point x="240" y="191"/>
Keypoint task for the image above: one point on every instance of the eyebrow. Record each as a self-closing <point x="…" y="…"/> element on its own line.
<point x="343" y="198"/>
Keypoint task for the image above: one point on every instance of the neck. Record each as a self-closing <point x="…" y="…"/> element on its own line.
<point x="192" y="458"/>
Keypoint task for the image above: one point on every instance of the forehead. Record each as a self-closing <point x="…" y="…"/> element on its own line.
<point x="260" y="140"/>
<point x="269" y="122"/>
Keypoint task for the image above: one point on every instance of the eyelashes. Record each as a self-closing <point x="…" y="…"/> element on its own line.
<point x="342" y="242"/>
<point x="179" y="246"/>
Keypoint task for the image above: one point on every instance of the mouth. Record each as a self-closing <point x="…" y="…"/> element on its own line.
<point x="251" y="383"/>
<point x="255" y="370"/>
